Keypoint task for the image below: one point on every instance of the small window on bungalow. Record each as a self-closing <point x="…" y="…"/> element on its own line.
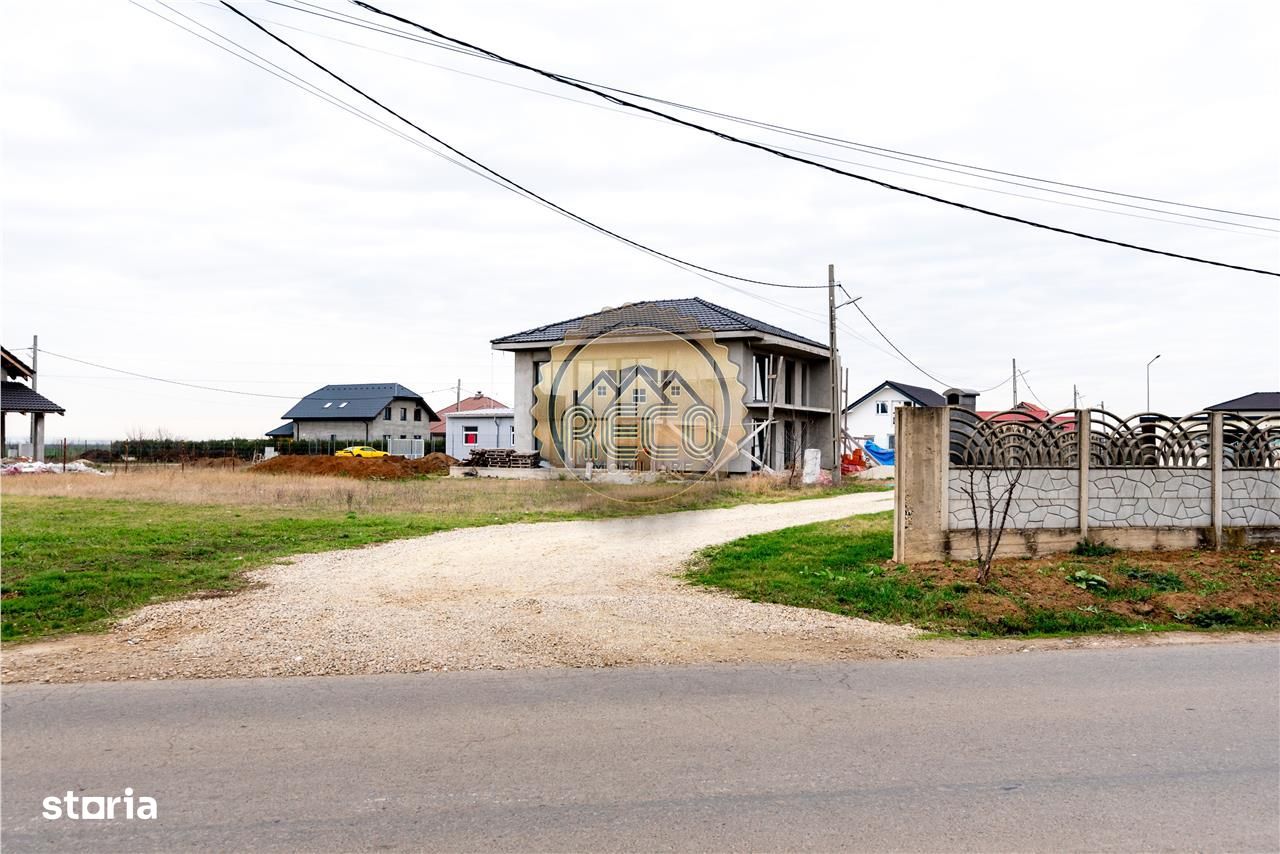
<point x="637" y="395"/>
<point x="602" y="391"/>
<point x="675" y="391"/>
<point x="470" y="435"/>
<point x="882" y="407"/>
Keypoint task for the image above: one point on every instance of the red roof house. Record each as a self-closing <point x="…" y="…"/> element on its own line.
<point x="467" y="404"/>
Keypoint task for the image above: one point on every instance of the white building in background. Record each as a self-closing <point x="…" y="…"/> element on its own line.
<point x="871" y="416"/>
<point x="467" y="430"/>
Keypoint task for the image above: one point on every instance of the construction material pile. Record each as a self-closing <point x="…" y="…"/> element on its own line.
<point x="29" y="467"/>
<point x="502" y="458"/>
<point x="375" y="468"/>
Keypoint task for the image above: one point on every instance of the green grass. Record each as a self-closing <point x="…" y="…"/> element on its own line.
<point x="845" y="567"/>
<point x="74" y="565"/>
<point x="78" y="564"/>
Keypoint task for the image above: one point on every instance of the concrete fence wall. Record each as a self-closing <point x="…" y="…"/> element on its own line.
<point x="1069" y="491"/>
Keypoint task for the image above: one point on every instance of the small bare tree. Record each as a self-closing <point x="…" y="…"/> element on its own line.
<point x="990" y="499"/>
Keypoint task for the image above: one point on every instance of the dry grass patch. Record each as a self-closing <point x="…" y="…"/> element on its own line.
<point x="447" y="496"/>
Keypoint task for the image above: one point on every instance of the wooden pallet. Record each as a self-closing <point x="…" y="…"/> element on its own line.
<point x="502" y="458"/>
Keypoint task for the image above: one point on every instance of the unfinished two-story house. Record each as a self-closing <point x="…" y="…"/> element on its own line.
<point x="681" y="384"/>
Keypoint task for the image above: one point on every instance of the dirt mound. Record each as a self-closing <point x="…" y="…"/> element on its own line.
<point x="381" y="468"/>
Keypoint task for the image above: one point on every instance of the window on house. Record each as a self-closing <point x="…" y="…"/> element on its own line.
<point x="602" y="391"/>
<point x="386" y="414"/>
<point x="327" y="405"/>
<point x="417" y="413"/>
<point x="404" y="413"/>
<point x="892" y="443"/>
<point x="403" y="436"/>
<point x="638" y="395"/>
<point x="882" y="407"/>
<point x="760" y="373"/>
<point x="344" y="403"/>
<point x="675" y="391"/>
<point x="513" y="435"/>
<point x="789" y="384"/>
<point x="470" y="435"/>
<point x="417" y="435"/>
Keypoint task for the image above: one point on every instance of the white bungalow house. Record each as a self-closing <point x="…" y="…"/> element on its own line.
<point x="871" y="416"/>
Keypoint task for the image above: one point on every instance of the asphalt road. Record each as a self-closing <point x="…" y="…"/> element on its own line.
<point x="1172" y="748"/>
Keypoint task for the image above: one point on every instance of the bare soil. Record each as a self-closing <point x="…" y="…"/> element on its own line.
<point x="374" y="468"/>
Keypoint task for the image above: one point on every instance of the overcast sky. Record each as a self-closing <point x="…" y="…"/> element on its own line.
<point x="174" y="211"/>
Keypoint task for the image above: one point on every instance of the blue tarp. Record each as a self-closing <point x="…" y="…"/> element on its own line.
<point x="882" y="456"/>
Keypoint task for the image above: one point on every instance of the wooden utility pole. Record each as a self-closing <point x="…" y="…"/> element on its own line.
<point x="835" y="379"/>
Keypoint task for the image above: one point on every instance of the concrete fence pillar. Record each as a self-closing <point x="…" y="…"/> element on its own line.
<point x="1084" y="429"/>
<point x="1215" y="476"/>
<point x="923" y="471"/>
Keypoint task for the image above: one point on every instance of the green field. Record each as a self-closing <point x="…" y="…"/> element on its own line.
<point x="845" y="567"/>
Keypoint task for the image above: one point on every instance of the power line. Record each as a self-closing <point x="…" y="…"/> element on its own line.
<point x="1233" y="230"/>
<point x="867" y="148"/>
<point x="501" y="177"/>
<point x="798" y="159"/>
<point x="898" y="350"/>
<point x="1030" y="389"/>
<point x="47" y="352"/>
<point x="329" y="98"/>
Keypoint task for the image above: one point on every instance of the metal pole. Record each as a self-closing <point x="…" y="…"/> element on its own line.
<point x="1157" y="356"/>
<point x="835" y="380"/>
<point x="1015" y="383"/>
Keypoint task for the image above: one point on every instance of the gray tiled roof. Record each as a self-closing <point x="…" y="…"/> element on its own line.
<point x="284" y="430"/>
<point x="16" y="397"/>
<point x="1259" y="401"/>
<point x="363" y="401"/>
<point x="698" y="313"/>
<point x="915" y="393"/>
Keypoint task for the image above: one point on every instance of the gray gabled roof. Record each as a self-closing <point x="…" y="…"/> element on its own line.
<point x="694" y="314"/>
<point x="16" y="397"/>
<point x="355" y="402"/>
<point x="283" y="431"/>
<point x="1259" y="401"/>
<point x="916" y="394"/>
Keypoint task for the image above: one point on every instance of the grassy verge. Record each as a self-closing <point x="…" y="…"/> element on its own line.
<point x="845" y="567"/>
<point x="77" y="564"/>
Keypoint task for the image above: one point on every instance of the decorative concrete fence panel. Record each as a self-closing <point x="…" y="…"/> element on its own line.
<point x="1149" y="481"/>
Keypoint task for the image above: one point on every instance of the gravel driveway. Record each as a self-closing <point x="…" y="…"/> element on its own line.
<point x="586" y="593"/>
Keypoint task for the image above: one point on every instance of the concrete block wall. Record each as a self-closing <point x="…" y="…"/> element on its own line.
<point x="1150" y="498"/>
<point x="1043" y="498"/>
<point x="1053" y="508"/>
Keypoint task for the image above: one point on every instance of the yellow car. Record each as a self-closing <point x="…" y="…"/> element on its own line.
<point x="361" y="451"/>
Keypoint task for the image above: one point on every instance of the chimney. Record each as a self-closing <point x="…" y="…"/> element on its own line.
<point x="965" y="398"/>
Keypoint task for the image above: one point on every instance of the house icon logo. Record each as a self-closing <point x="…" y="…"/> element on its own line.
<point x="664" y="397"/>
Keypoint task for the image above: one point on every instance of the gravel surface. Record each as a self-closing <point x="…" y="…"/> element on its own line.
<point x="555" y="594"/>
<point x="585" y="593"/>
